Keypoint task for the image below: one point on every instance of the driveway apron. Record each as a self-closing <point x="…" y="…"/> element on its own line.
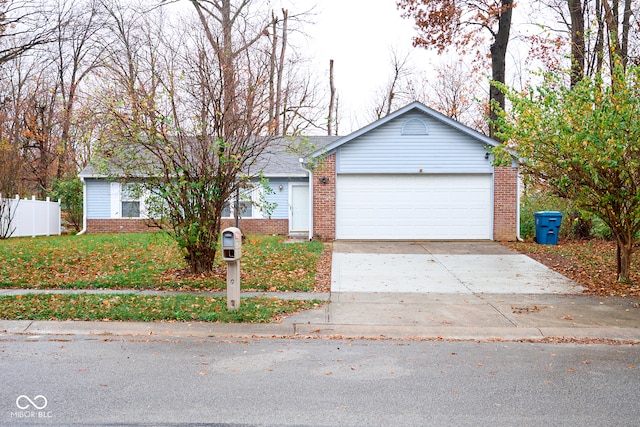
<point x="441" y="267"/>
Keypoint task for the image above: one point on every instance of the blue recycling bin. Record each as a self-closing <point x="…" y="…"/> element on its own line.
<point x="547" y="227"/>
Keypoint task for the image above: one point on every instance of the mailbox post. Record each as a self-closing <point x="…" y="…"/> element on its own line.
<point x="231" y="253"/>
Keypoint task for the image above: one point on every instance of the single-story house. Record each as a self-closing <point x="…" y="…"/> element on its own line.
<point x="412" y="175"/>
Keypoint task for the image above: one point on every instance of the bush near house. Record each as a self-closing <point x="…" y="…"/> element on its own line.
<point x="575" y="224"/>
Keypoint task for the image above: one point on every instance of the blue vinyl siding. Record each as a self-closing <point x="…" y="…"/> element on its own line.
<point x="281" y="211"/>
<point x="98" y="198"/>
<point x="386" y="150"/>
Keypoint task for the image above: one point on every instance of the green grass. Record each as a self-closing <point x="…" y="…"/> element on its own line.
<point x="131" y="307"/>
<point x="149" y="261"/>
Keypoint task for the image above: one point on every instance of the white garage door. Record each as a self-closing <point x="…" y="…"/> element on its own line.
<point x="414" y="207"/>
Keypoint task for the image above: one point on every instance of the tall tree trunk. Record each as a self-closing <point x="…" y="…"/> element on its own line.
<point x="273" y="117"/>
<point x="498" y="60"/>
<point x="611" y="19"/>
<point x="332" y="96"/>
<point x="577" y="41"/>
<point x="626" y="27"/>
<point x="599" y="45"/>
<point x="280" y="72"/>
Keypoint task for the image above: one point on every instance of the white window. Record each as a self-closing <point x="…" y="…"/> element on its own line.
<point x="248" y="206"/>
<point x="128" y="200"/>
<point x="131" y="201"/>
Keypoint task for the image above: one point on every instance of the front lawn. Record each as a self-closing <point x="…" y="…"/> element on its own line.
<point x="150" y="261"/>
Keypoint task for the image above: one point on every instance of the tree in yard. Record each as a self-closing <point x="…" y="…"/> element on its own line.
<point x="189" y="114"/>
<point x="583" y="143"/>
<point x="398" y="89"/>
<point x="444" y="24"/>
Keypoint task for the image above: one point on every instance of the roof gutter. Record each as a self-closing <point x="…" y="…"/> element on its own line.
<point x="310" y="172"/>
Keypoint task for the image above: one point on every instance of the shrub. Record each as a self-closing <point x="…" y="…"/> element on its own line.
<point x="69" y="192"/>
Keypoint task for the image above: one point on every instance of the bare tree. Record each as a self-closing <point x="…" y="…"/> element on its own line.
<point x="76" y="55"/>
<point x="189" y="115"/>
<point x="454" y="91"/>
<point x="397" y="91"/>
<point x="23" y="26"/>
<point x="595" y="31"/>
<point x="11" y="84"/>
<point x="40" y="92"/>
<point x="39" y="138"/>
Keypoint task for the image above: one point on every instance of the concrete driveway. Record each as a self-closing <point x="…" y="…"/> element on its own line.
<point x="441" y="267"/>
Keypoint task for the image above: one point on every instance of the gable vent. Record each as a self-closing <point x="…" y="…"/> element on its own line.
<point x="414" y="127"/>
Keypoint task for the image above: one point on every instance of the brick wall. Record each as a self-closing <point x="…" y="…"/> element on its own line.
<point x="124" y="225"/>
<point x="259" y="226"/>
<point x="505" y="203"/>
<point x="324" y="199"/>
<point x="133" y="225"/>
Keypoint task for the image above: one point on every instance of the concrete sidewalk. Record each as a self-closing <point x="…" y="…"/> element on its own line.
<point x="400" y="316"/>
<point x="476" y="316"/>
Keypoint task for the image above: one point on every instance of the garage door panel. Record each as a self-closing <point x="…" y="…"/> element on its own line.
<point x="426" y="207"/>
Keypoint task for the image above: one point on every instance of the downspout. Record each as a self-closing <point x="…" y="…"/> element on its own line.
<point x="84" y="207"/>
<point x="518" y="195"/>
<point x="302" y="166"/>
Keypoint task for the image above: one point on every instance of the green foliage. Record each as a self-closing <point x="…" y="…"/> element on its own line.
<point x="132" y="307"/>
<point x="575" y="224"/>
<point x="536" y="201"/>
<point x="69" y="192"/>
<point x="583" y="143"/>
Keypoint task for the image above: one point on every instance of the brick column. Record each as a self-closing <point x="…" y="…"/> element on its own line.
<point x="505" y="203"/>
<point x="324" y="199"/>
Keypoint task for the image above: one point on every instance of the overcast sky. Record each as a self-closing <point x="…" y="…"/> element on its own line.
<point x="358" y="35"/>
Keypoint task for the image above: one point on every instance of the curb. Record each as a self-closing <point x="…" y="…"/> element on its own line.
<point x="166" y="330"/>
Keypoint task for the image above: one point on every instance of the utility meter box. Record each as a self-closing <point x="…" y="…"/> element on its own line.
<point x="231" y="244"/>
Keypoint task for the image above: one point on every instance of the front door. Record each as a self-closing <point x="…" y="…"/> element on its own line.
<point x="299" y="208"/>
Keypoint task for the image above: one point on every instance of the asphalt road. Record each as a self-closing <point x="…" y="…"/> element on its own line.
<point x="101" y="380"/>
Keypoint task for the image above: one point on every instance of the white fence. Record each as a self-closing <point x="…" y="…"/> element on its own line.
<point x="29" y="217"/>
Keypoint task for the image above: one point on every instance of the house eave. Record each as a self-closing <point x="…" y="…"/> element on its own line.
<point x="331" y="148"/>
